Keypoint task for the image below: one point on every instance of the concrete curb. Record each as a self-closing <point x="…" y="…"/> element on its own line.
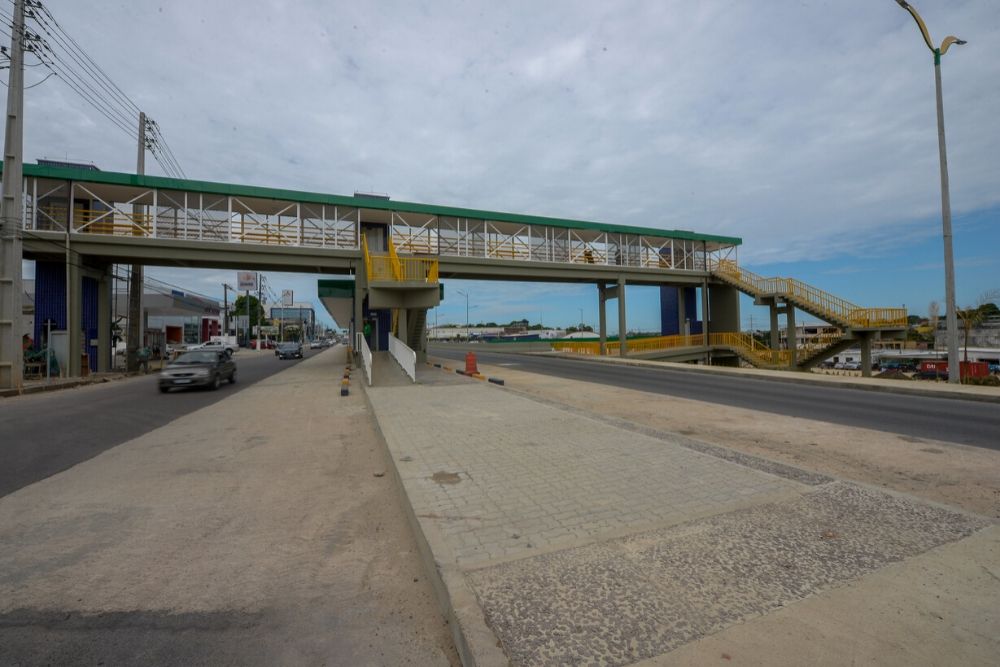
<point x="475" y="642"/>
<point x="70" y="384"/>
<point x="900" y="388"/>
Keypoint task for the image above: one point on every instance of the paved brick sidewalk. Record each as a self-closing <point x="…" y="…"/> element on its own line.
<point x="583" y="541"/>
<point x="503" y="475"/>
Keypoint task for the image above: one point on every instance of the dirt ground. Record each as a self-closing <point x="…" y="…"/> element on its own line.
<point x="957" y="475"/>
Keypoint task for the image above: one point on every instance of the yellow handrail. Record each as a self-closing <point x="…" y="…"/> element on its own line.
<point x="390" y="267"/>
<point x="744" y="344"/>
<point x="751" y="348"/>
<point x="824" y="303"/>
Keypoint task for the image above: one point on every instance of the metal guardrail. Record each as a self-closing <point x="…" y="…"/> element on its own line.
<point x="823" y="303"/>
<point x="741" y="343"/>
<point x="640" y="345"/>
<point x="366" y="357"/>
<point x="750" y="348"/>
<point x="392" y="267"/>
<point x="404" y="356"/>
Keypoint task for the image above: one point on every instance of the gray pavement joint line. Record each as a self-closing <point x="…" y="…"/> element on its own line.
<point x="757" y="463"/>
<point x="632" y="531"/>
<point x="476" y="643"/>
<point x="927" y="392"/>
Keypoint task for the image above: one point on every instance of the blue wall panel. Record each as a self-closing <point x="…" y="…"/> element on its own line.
<point x="670" y="324"/>
<point x="50" y="297"/>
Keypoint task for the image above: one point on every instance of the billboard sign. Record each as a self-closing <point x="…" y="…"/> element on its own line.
<point x="287" y="297"/>
<point x="246" y="280"/>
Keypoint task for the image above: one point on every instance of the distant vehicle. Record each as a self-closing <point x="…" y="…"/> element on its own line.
<point x="852" y="366"/>
<point x="198" y="368"/>
<point x="289" y="351"/>
<point x="930" y="374"/>
<point x="266" y="344"/>
<point x="316" y="345"/>
<point x="215" y="345"/>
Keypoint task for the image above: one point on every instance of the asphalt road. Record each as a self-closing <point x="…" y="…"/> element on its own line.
<point x="44" y="434"/>
<point x="952" y="420"/>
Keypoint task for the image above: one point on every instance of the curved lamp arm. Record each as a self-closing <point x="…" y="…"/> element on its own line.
<point x="948" y="41"/>
<point x="920" y="23"/>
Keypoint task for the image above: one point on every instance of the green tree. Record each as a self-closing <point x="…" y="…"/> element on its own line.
<point x="973" y="316"/>
<point x="239" y="309"/>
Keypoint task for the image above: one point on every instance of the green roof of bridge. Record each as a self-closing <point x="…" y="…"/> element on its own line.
<point x="209" y="187"/>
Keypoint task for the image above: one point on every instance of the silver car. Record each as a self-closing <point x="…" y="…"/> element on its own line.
<point x="198" y="368"/>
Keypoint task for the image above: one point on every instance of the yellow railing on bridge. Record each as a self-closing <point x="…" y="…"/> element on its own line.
<point x="750" y="348"/>
<point x="823" y="303"/>
<point x="635" y="345"/>
<point x="744" y="344"/>
<point x="390" y="267"/>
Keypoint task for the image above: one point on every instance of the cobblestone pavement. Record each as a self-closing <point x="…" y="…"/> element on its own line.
<point x="589" y="541"/>
<point x="643" y="595"/>
<point x="505" y="476"/>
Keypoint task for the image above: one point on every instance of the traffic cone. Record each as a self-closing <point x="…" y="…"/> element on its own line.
<point x="470" y="364"/>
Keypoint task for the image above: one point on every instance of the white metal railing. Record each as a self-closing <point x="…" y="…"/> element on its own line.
<point x="404" y="356"/>
<point x="159" y="213"/>
<point x="366" y="357"/>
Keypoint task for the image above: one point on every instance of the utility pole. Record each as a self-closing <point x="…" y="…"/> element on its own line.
<point x="11" y="290"/>
<point x="260" y="305"/>
<point x="133" y="337"/>
<point x="225" y="309"/>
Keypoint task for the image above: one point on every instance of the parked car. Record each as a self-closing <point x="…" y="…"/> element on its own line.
<point x="316" y="345"/>
<point x="852" y="366"/>
<point x="214" y="345"/>
<point x="198" y="368"/>
<point x="930" y="374"/>
<point x="289" y="351"/>
<point x="266" y="344"/>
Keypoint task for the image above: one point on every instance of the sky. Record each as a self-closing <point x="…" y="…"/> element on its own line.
<point x="806" y="128"/>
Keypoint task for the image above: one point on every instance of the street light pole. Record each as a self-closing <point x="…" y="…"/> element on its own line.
<point x="466" y="295"/>
<point x="951" y="317"/>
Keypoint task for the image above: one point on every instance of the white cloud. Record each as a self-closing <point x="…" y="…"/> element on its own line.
<point x="806" y="128"/>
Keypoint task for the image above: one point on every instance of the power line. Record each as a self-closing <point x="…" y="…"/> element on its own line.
<point x="66" y="59"/>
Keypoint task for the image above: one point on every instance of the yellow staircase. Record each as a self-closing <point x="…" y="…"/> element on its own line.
<point x="390" y="267"/>
<point x="809" y="299"/>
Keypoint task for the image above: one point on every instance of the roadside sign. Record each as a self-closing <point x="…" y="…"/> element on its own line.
<point x="246" y="280"/>
<point x="287" y="297"/>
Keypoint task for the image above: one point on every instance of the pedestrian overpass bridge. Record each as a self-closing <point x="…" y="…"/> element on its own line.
<point x="397" y="252"/>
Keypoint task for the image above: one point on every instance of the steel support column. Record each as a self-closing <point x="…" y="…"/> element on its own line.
<point x="775" y="340"/>
<point x="104" y="358"/>
<point x="74" y="310"/>
<point x="622" y="329"/>
<point x="602" y="318"/>
<point x="791" y="336"/>
<point x="866" y="355"/>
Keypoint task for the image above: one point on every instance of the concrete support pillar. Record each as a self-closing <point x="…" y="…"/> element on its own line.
<point x="74" y="324"/>
<point x="705" y="312"/>
<point x="866" y="355"/>
<point x="602" y="317"/>
<point x="104" y="357"/>
<point x="622" y="329"/>
<point x="773" y="309"/>
<point x="793" y="343"/>
<point x="358" y="325"/>
<point x="724" y="308"/>
<point x="401" y="325"/>
<point x="683" y="326"/>
<point x="422" y="341"/>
